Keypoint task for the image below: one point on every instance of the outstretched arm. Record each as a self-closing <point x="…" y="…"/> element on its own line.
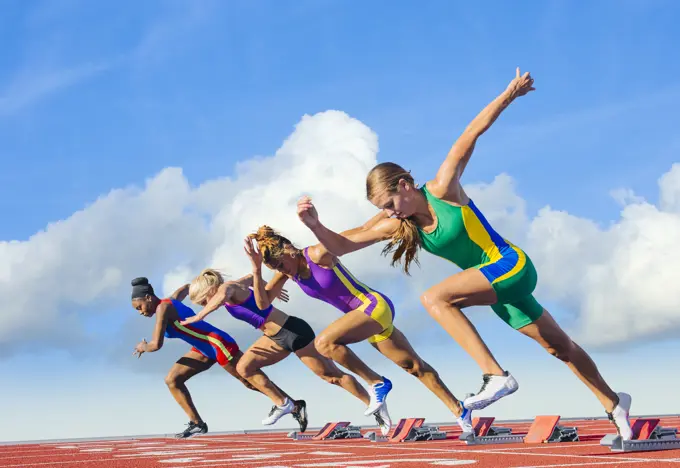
<point x="461" y="151"/>
<point x="379" y="228"/>
<point x="222" y="295"/>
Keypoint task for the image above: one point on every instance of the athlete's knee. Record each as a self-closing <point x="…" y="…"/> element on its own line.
<point x="245" y="368"/>
<point x="415" y="367"/>
<point x="331" y="377"/>
<point x="324" y="345"/>
<point x="433" y="301"/>
<point x="173" y="380"/>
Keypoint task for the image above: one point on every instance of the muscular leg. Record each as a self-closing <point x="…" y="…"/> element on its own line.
<point x="399" y="350"/>
<point x="548" y="334"/>
<point x="192" y="363"/>
<point x="264" y="352"/>
<point x="353" y="327"/>
<point x="328" y="371"/>
<point x="444" y="302"/>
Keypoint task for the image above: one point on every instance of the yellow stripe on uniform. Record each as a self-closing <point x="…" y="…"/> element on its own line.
<point x="365" y="301"/>
<point x="521" y="261"/>
<point x="210" y="339"/>
<point x="480" y="236"/>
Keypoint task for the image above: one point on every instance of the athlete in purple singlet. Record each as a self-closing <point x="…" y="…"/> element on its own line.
<point x="282" y="335"/>
<point x="367" y="315"/>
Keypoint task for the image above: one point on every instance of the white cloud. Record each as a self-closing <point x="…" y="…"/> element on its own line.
<point x="617" y="281"/>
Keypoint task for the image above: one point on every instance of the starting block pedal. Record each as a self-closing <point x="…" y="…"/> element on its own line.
<point x="544" y="429"/>
<point x="409" y="430"/>
<point x="331" y="431"/>
<point x="647" y="436"/>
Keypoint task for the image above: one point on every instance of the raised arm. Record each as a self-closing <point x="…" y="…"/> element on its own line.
<point x="377" y="229"/>
<point x="264" y="293"/>
<point x="451" y="170"/>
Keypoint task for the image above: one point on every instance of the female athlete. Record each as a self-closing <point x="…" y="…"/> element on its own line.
<point x="443" y="220"/>
<point x="282" y="335"/>
<point x="368" y="314"/>
<point x="210" y="345"/>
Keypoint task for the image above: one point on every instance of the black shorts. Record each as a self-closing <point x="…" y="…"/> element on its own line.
<point x="295" y="334"/>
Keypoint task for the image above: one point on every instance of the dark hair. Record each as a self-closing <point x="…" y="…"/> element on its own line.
<point x="406" y="240"/>
<point x="141" y="288"/>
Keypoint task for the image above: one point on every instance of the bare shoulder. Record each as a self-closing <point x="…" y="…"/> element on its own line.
<point x="320" y="255"/>
<point x="234" y="292"/>
<point x="452" y="192"/>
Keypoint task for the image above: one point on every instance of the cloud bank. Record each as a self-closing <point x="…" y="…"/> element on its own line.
<point x="617" y="282"/>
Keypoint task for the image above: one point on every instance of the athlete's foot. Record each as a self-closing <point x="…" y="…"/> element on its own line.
<point x="300" y="414"/>
<point x="494" y="388"/>
<point x="465" y="419"/>
<point x="192" y="430"/>
<point x="378" y="393"/>
<point x="277" y="412"/>
<point x="382" y="417"/>
<point x="620" y="416"/>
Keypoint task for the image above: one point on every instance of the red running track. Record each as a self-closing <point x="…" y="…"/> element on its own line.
<point x="275" y="450"/>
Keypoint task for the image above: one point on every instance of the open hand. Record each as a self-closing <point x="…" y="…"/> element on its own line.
<point x="283" y="295"/>
<point x="521" y="84"/>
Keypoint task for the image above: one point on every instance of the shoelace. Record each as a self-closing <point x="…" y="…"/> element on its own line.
<point x="486" y="378"/>
<point x="379" y="419"/>
<point x="273" y="410"/>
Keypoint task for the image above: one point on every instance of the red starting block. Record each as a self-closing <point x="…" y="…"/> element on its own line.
<point x="330" y="431"/>
<point x="648" y="435"/>
<point x="544" y="429"/>
<point x="409" y="430"/>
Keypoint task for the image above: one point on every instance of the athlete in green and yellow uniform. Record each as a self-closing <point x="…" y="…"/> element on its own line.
<point x="444" y="221"/>
<point x="464" y="237"/>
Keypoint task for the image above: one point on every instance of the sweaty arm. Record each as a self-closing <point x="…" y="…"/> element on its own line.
<point x="377" y="229"/>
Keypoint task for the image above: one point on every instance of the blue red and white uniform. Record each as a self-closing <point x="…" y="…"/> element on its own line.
<point x="206" y="339"/>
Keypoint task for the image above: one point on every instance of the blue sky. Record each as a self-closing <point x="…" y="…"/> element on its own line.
<point x="95" y="98"/>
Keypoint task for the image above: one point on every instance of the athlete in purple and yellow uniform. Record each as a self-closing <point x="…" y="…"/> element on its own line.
<point x="282" y="335"/>
<point x="444" y="221"/>
<point x="367" y="315"/>
<point x="210" y="345"/>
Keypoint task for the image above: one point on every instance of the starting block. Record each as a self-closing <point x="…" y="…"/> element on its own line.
<point x="544" y="429"/>
<point x="409" y="430"/>
<point x="647" y="436"/>
<point x="331" y="431"/>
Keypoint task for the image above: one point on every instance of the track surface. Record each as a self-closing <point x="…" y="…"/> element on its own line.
<point x="275" y="450"/>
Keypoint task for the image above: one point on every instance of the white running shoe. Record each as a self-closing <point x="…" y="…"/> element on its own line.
<point x="465" y="420"/>
<point x="620" y="416"/>
<point x="494" y="388"/>
<point x="378" y="393"/>
<point x="277" y="412"/>
<point x="382" y="417"/>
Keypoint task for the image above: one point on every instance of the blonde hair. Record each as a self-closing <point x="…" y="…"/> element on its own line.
<point x="272" y="245"/>
<point x="406" y="240"/>
<point x="205" y="285"/>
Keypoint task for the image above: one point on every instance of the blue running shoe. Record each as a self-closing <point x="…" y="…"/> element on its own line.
<point x="378" y="393"/>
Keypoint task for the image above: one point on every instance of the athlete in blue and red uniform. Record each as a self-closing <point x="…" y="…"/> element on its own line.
<point x="210" y="345"/>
